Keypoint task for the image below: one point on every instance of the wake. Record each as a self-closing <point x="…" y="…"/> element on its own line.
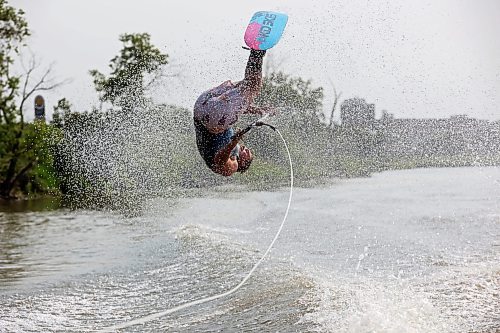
<point x="153" y="316"/>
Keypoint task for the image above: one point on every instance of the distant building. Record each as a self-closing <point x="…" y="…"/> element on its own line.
<point x="458" y="136"/>
<point x="444" y="136"/>
<point x="39" y="108"/>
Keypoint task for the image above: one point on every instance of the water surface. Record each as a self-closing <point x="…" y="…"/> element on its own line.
<point x="402" y="251"/>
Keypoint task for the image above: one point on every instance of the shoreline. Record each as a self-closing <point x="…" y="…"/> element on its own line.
<point x="53" y="201"/>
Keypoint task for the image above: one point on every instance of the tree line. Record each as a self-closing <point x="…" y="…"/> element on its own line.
<point x="128" y="148"/>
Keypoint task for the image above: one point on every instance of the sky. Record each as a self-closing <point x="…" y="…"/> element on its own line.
<point x="412" y="58"/>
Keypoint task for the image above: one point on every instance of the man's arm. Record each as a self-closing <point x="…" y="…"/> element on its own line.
<point x="223" y="164"/>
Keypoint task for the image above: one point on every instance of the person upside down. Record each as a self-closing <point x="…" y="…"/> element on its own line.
<point x="217" y="109"/>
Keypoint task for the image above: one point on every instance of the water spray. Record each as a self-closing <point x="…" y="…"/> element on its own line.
<point x="143" y="320"/>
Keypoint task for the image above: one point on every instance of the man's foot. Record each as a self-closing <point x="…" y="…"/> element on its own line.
<point x="253" y="52"/>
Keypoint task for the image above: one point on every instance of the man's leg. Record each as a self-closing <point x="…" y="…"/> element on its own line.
<point x="253" y="74"/>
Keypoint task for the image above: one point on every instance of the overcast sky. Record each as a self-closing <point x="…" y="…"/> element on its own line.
<point x="420" y="58"/>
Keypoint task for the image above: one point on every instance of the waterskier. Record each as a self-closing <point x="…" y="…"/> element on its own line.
<point x="217" y="109"/>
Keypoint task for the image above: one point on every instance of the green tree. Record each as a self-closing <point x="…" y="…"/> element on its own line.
<point x="104" y="157"/>
<point x="294" y="94"/>
<point x="301" y="120"/>
<point x="139" y="61"/>
<point x="19" y="146"/>
<point x="62" y="111"/>
<point x="13" y="31"/>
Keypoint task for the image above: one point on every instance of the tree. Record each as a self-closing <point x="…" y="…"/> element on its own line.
<point x="357" y="113"/>
<point x="301" y="121"/>
<point x="62" y="110"/>
<point x="13" y="31"/>
<point x="104" y="157"/>
<point x="18" y="144"/>
<point x="335" y="102"/>
<point x="282" y="91"/>
<point x="139" y="61"/>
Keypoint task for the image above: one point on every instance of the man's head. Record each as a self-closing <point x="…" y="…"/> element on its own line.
<point x="245" y="159"/>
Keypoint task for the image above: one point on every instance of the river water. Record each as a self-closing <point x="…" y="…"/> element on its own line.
<point x="402" y="251"/>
